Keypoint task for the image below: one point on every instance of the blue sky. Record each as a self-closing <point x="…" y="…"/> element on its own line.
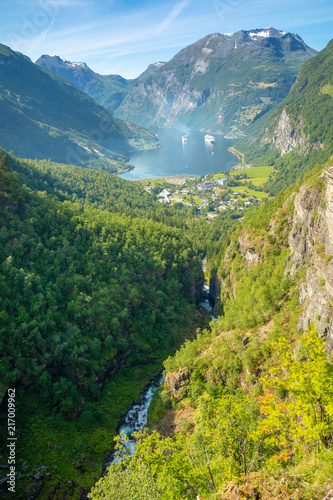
<point x="123" y="37"/>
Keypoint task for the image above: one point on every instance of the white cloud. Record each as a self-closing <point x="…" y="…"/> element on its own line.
<point x="175" y="12"/>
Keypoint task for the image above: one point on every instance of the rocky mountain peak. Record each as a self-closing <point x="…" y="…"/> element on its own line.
<point x="151" y="69"/>
<point x="217" y="83"/>
<point x="58" y="61"/>
<point x="247" y="44"/>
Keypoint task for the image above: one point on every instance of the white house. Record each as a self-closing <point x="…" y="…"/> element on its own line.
<point x="163" y="197"/>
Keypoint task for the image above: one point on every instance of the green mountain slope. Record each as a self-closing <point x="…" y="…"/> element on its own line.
<point x="221" y="83"/>
<point x="299" y="133"/>
<point x="248" y="404"/>
<point x="44" y="116"/>
<point x="97" y="189"/>
<point x="107" y="90"/>
<point x="86" y="294"/>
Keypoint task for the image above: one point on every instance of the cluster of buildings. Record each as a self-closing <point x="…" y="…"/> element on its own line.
<point x="203" y="186"/>
<point x="232" y="202"/>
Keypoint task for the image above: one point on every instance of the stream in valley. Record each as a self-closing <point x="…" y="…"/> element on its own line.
<point x="205" y="302"/>
<point x="136" y="417"/>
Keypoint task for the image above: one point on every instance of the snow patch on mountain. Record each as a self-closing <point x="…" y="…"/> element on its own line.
<point x="264" y="34"/>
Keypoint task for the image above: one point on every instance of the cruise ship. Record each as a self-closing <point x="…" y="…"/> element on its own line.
<point x="209" y="138"/>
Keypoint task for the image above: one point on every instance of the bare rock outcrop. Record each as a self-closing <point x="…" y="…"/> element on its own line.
<point x="288" y="138"/>
<point x="176" y="381"/>
<point x="311" y="240"/>
<point x="247" y="249"/>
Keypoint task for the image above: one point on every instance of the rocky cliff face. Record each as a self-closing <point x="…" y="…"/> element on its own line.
<point x="177" y="381"/>
<point x="214" y="294"/>
<point x="311" y="240"/>
<point x="287" y="137"/>
<point x="247" y="249"/>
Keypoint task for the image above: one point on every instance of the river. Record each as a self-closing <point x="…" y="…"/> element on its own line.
<point x="196" y="157"/>
<point x="136" y="418"/>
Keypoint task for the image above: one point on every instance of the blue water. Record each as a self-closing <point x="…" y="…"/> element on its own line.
<point x="175" y="158"/>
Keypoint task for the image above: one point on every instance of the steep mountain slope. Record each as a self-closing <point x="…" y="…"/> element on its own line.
<point x="152" y="68"/>
<point x="252" y="397"/>
<point x="107" y="90"/>
<point x="221" y="83"/>
<point x="86" y="294"/>
<point x="299" y="132"/>
<point x="44" y="116"/>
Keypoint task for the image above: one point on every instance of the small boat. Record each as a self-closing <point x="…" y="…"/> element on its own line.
<point x="184" y="139"/>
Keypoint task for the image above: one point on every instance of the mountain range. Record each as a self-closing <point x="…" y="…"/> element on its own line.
<point x="221" y="83"/>
<point x="107" y="90"/>
<point x="44" y="116"/>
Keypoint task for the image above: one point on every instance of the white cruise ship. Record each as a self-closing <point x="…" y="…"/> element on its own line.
<point x="209" y="138"/>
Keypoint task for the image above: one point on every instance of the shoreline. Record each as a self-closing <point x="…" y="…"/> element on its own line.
<point x="167" y="177"/>
<point x="237" y="154"/>
<point x="240" y="156"/>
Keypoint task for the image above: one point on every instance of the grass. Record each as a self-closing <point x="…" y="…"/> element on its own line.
<point x="327" y="89"/>
<point x="316" y="470"/>
<point x="259" y="181"/>
<point x="249" y="192"/>
<point x="220" y="175"/>
<point x="151" y="182"/>
<point x="258" y="175"/>
<point x="194" y="200"/>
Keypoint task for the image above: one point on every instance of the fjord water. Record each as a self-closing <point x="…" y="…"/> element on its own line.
<point x="175" y="158"/>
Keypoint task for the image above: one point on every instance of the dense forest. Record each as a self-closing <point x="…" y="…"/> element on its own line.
<point x="100" y="190"/>
<point x="83" y="289"/>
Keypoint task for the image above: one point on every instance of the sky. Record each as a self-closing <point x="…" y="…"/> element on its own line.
<point x="124" y="37"/>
